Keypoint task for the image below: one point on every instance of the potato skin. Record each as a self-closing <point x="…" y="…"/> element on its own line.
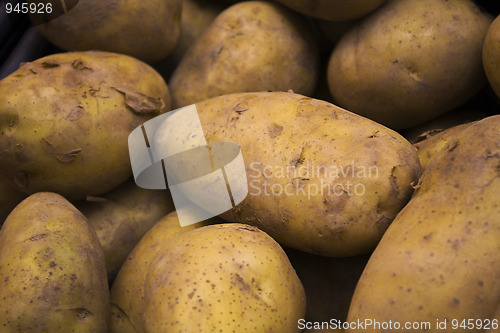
<point x="250" y="46"/>
<point x="333" y="10"/>
<point x="410" y="61"/>
<point x="65" y="120"/>
<point x="147" y="30"/>
<point x="53" y="276"/>
<point x="429" y="147"/>
<point x="226" y="277"/>
<point x="439" y="258"/>
<point x="491" y="55"/>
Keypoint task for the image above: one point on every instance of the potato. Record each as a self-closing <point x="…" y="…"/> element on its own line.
<point x="52" y="272"/>
<point x="410" y="61"/>
<point x="65" y="121"/>
<point x="333" y="10"/>
<point x="127" y="291"/>
<point x="491" y="55"/>
<point x="429" y="147"/>
<point x="122" y="217"/>
<point x="225" y="278"/>
<point x="439" y="259"/>
<point x="329" y="284"/>
<point x="147" y="30"/>
<point x="250" y="46"/>
<point x="320" y="179"/>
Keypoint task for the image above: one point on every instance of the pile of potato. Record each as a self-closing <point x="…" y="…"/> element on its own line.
<point x="370" y="132"/>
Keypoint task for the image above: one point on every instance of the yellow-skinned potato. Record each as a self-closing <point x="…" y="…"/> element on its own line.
<point x="333" y="10"/>
<point x="52" y="271"/>
<point x="222" y="278"/>
<point x="410" y="61"/>
<point x="440" y="258"/>
<point x="250" y="46"/>
<point x="491" y="55"/>
<point x="121" y="217"/>
<point x="147" y="30"/>
<point x="127" y="292"/>
<point x="320" y="179"/>
<point x="65" y="121"/>
<point x="429" y="147"/>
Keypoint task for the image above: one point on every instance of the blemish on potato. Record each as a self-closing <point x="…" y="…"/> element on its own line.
<point x="75" y="113"/>
<point x="275" y="130"/>
<point x="37" y="237"/>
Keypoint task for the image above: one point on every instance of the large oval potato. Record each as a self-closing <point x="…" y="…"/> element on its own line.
<point x="52" y="271"/>
<point x="226" y="277"/>
<point x="250" y="46"/>
<point x="65" y="121"/>
<point x="147" y="30"/>
<point x="440" y="258"/>
<point x="410" y="61"/>
<point x="320" y="179"/>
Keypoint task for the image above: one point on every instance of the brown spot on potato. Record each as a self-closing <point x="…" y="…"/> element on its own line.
<point x="50" y="64"/>
<point x="383" y="223"/>
<point x="241" y="107"/>
<point x="37" y="237"/>
<point x="78" y="64"/>
<point x="427" y="237"/>
<point x="75" y="113"/>
<point x="394" y="182"/>
<point x="275" y="130"/>
<point x="63" y="157"/>
<point x="452" y="145"/>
